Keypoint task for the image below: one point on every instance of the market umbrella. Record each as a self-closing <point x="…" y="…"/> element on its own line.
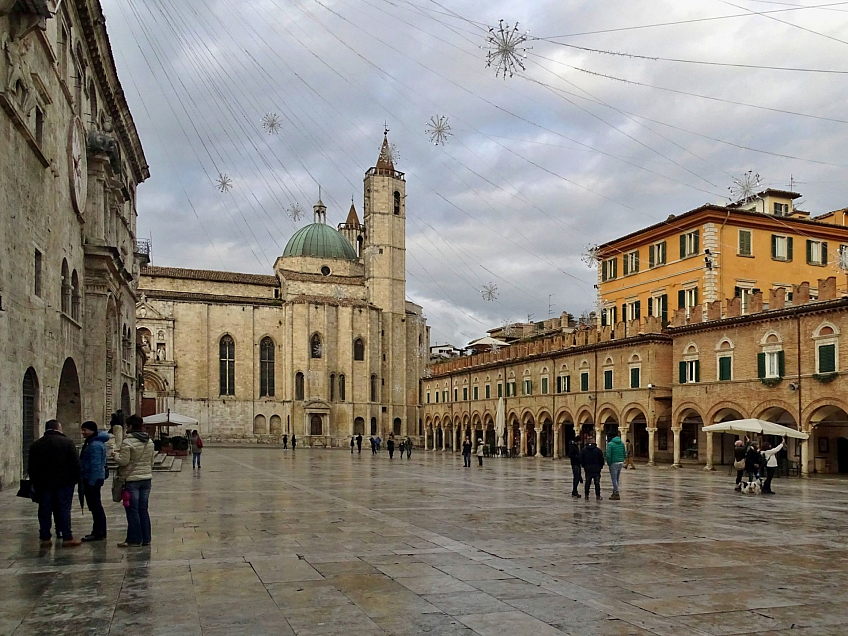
<point x="760" y="427"/>
<point x="500" y="422"/>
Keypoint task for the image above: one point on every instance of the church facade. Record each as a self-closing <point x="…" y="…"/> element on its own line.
<point x="324" y="348"/>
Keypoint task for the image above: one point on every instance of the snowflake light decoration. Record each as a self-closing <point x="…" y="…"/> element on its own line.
<point x="296" y="212"/>
<point x="223" y="183"/>
<point x="428" y="372"/>
<point x="507" y="329"/>
<point x="506" y="50"/>
<point x="489" y="292"/>
<point x="745" y="187"/>
<point x="312" y="375"/>
<point x="398" y="387"/>
<point x="317" y="350"/>
<point x="438" y="129"/>
<point x="339" y="292"/>
<point x="841" y="263"/>
<point x="272" y="123"/>
<point x="390" y="153"/>
<point x="591" y="255"/>
<point x="494" y="347"/>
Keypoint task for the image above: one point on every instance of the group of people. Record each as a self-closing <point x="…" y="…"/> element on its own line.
<point x="56" y="470"/>
<point x="466" y="453"/>
<point x="590" y="461"/>
<point x="286" y="441"/>
<point x="748" y="458"/>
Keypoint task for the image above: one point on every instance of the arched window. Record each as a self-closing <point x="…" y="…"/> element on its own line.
<point x="373" y="388"/>
<point x="66" y="288"/>
<point x="76" y="296"/>
<point x="29" y="421"/>
<point x="396" y="426"/>
<point x="342" y="388"/>
<point x="266" y="367"/>
<point x="373" y="426"/>
<point x="298" y="386"/>
<point x="315" y="425"/>
<point x="227" y="357"/>
<point x="397" y="202"/>
<point x="332" y="387"/>
<point x="316" y="349"/>
<point x="358" y="349"/>
<point x="359" y="426"/>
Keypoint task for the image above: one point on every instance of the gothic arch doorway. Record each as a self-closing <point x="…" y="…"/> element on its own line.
<point x="126" y="406"/>
<point x="29" y="419"/>
<point x="68" y="405"/>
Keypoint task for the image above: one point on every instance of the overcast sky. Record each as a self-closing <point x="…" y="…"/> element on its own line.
<point x="539" y="166"/>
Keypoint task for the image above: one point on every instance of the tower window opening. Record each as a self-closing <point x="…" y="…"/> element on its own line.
<point x="397" y="202"/>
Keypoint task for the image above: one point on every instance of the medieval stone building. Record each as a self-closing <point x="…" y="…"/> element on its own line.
<point x="325" y="348"/>
<point x="70" y="160"/>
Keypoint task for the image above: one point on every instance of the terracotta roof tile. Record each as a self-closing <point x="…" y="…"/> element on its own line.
<point x="208" y="274"/>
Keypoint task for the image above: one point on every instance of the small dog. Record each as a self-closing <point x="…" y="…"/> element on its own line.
<point x="754" y="487"/>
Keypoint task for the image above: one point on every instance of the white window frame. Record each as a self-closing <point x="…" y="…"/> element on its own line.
<point x="780" y="239"/>
<point x="827" y="339"/>
<point x="815" y="245"/>
<point x="632" y="262"/>
<point x="724" y="353"/>
<point x="660" y="249"/>
<point x="631" y="308"/>
<point x="690" y="243"/>
<point x="780" y="209"/>
<point x="607" y="266"/>
<point x="773" y="361"/>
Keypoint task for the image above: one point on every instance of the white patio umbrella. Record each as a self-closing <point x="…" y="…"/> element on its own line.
<point x="500" y="423"/>
<point x="171" y="418"/>
<point x="761" y="427"/>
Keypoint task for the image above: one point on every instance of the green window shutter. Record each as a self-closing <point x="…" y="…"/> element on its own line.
<point x="789" y="248"/>
<point x="607" y="380"/>
<point x="604" y="272"/>
<point x="615" y="268"/>
<point x="809" y="251"/>
<point x="637" y="310"/>
<point x="697" y="370"/>
<point x="500" y="390"/>
<point x="761" y="365"/>
<point x="724" y="368"/>
<point x="697" y="241"/>
<point x="584" y="381"/>
<point x="544" y="386"/>
<point x="682" y="246"/>
<point x="476" y="393"/>
<point x="625" y="265"/>
<point x="696" y="297"/>
<point x="682" y="372"/>
<point x="681" y="299"/>
<point x="827" y="358"/>
<point x="603" y="317"/>
<point x="781" y="364"/>
<point x="559" y="384"/>
<point x="624" y="311"/>
<point x="773" y="246"/>
<point x="664" y="312"/>
<point x="661" y="259"/>
<point x="567" y="384"/>
<point x="634" y="378"/>
<point x="636" y="262"/>
<point x="651" y="256"/>
<point x="650" y="306"/>
<point x="488" y="391"/>
<point x="824" y="253"/>
<point x="737" y="292"/>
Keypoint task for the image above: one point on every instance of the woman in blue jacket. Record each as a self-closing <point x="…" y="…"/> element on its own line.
<point x="93" y="463"/>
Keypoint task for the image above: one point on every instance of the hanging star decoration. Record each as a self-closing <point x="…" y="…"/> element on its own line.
<point x="339" y="292"/>
<point x="223" y="183"/>
<point x="590" y="255"/>
<point x="489" y="292"/>
<point x="506" y="49"/>
<point x="438" y="129"/>
<point x="317" y="350"/>
<point x="271" y="123"/>
<point x="507" y="329"/>
<point x="390" y="153"/>
<point x="428" y="373"/>
<point x="745" y="187"/>
<point x="841" y="263"/>
<point x="295" y="212"/>
<point x="494" y="347"/>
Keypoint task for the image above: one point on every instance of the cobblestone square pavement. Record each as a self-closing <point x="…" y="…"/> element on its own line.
<point x="266" y="541"/>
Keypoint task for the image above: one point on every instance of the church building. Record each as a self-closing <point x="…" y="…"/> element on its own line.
<point x="324" y="348"/>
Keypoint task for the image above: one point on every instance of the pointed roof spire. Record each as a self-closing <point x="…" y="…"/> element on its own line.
<point x="384" y="161"/>
<point x="352" y="216"/>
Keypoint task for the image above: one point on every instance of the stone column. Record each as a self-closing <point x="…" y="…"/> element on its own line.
<point x="538" y="449"/>
<point x="805" y="456"/>
<point x="523" y="452"/>
<point x="599" y="437"/>
<point x="556" y="443"/>
<point x="676" y="430"/>
<point x="709" y="465"/>
<point x="426" y="443"/>
<point x="651" y="433"/>
<point x="510" y="437"/>
<point x="444" y="439"/>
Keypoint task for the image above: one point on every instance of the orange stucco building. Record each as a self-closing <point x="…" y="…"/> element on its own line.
<point x="715" y="252"/>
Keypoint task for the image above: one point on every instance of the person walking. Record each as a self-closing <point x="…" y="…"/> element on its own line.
<point x="753" y="460"/>
<point x="402" y="448"/>
<point x="359" y="443"/>
<point x="576" y="470"/>
<point x="285" y="441"/>
<point x="592" y="460"/>
<point x="93" y="473"/>
<point x="373" y="445"/>
<point x="352" y="442"/>
<point x="480" y="448"/>
<point x="628" y="461"/>
<point x="294" y="441"/>
<point x="770" y="455"/>
<point x="196" y="448"/>
<point x="739" y="462"/>
<point x="135" y="468"/>
<point x="408" y="447"/>
<point x="390" y="446"/>
<point x="54" y="471"/>
<point x="466" y="453"/>
<point x="616" y="453"/>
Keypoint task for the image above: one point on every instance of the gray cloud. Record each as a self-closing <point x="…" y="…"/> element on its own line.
<point x="528" y="178"/>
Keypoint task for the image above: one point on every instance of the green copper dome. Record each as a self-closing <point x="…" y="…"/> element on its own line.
<point x="321" y="241"/>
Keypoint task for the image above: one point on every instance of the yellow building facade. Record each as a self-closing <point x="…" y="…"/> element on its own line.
<point x="715" y="252"/>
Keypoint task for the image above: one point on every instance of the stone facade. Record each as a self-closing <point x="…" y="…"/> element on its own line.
<point x="336" y="335"/>
<point x="777" y="371"/>
<point x="71" y="160"/>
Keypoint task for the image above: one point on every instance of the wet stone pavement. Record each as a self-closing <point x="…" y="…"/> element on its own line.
<point x="265" y="541"/>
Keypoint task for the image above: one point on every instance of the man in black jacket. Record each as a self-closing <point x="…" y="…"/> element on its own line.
<point x="592" y="460"/>
<point x="54" y="469"/>
<point x="753" y="460"/>
<point x="574" y="456"/>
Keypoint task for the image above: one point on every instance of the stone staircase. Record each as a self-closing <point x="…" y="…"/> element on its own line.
<point x="161" y="463"/>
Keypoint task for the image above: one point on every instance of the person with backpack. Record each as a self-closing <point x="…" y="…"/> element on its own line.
<point x="196" y="448"/>
<point x="93" y="468"/>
